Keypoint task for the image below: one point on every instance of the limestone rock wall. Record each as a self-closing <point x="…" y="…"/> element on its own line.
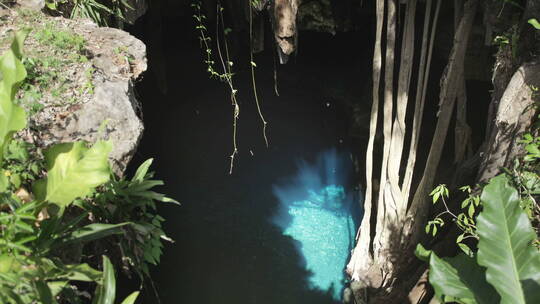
<point x="80" y="82"/>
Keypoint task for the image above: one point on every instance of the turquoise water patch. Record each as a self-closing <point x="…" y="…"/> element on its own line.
<point x="315" y="210"/>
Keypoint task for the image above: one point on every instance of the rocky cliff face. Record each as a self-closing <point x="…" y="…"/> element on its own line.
<point x="80" y="82"/>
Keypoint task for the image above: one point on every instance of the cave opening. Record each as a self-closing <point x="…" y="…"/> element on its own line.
<point x="228" y="249"/>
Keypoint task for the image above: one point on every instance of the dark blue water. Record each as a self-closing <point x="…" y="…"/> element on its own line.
<point x="228" y="248"/>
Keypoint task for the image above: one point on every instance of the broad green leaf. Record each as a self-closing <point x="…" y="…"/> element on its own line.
<point x="534" y="23"/>
<point x="505" y="243"/>
<point x="73" y="171"/>
<point x="106" y="291"/>
<point x="131" y="298"/>
<point x="12" y="116"/>
<point x="446" y="282"/>
<point x="461" y="278"/>
<point x="92" y="232"/>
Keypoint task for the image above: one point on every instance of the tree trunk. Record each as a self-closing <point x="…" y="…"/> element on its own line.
<point x="383" y="272"/>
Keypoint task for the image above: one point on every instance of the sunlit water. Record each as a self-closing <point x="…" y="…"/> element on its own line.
<point x="316" y="212"/>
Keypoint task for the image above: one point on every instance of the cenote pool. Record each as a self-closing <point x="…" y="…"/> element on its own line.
<point x="279" y="229"/>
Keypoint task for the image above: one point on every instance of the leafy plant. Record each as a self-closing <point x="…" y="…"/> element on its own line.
<point x="74" y="171"/>
<point x="44" y="227"/>
<point x="133" y="200"/>
<point x="98" y="11"/>
<point x="20" y="167"/>
<point x="464" y="220"/>
<point x="507" y="265"/>
<point x="12" y="116"/>
<point x="525" y="178"/>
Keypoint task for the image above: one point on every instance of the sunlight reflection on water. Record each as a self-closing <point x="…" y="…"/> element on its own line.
<point x="315" y="210"/>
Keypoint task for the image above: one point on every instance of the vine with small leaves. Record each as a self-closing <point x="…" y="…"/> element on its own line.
<point x="227" y="74"/>
<point x="226" y="64"/>
<point x="465" y="221"/>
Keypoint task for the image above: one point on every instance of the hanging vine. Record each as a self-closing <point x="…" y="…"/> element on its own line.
<point x="226" y="64"/>
<point x="227" y="74"/>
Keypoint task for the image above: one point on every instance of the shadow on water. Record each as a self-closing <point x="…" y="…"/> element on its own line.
<point x="227" y="250"/>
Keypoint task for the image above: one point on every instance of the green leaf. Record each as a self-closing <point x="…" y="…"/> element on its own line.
<point x="12" y="116"/>
<point x="9" y="264"/>
<point x="422" y="253"/>
<point x="44" y="292"/>
<point x="533" y="149"/>
<point x="461" y="278"/>
<point x="131" y="298"/>
<point x="534" y="23"/>
<point x="142" y="170"/>
<point x="505" y="243"/>
<point x="81" y="272"/>
<point x="106" y="291"/>
<point x="51" y="5"/>
<point x="73" y="171"/>
<point x="466" y="249"/>
<point x="93" y="232"/>
<point x="56" y="287"/>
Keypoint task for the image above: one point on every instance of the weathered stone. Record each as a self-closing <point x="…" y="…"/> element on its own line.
<point x="514" y="115"/>
<point x="35" y="5"/>
<point x="114" y="106"/>
<point x="109" y="111"/>
<point x="120" y="58"/>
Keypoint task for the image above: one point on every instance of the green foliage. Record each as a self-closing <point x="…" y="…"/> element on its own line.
<point x="534" y="22"/>
<point x="60" y="39"/>
<point x="532" y="146"/>
<point x="459" y="279"/>
<point x="12" y="116"/>
<point x="135" y="202"/>
<point x="20" y="166"/>
<point x="505" y="242"/>
<point x="507" y="266"/>
<point x="44" y="231"/>
<point x="101" y="12"/>
<point x="206" y="43"/>
<point x="525" y="178"/>
<point x="464" y="220"/>
<point x="106" y="290"/>
<point x="74" y="171"/>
